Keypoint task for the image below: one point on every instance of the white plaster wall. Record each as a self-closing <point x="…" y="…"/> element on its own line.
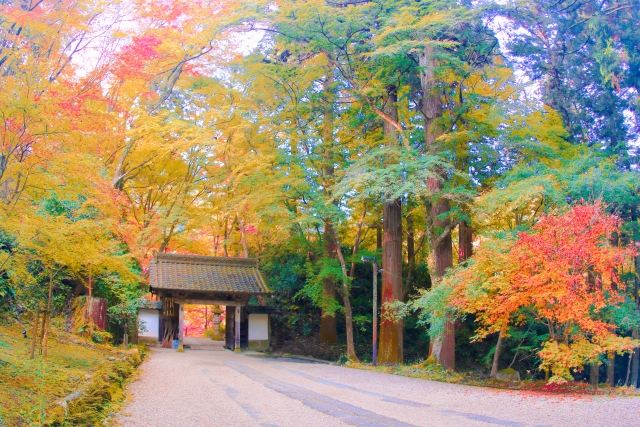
<point x="151" y="319"/>
<point x="258" y="327"/>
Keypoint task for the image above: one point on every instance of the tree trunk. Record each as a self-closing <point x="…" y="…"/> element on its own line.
<point x="611" y="359"/>
<point x="45" y="333"/>
<point x="443" y="252"/>
<point x="42" y="329"/>
<point x="348" y="316"/>
<point x="356" y="243"/>
<point x="328" y="326"/>
<point x="34" y="339"/>
<point x="411" y="260"/>
<point x="243" y="239"/>
<point x="346" y="301"/>
<point x="431" y="99"/>
<point x="390" y="348"/>
<point x="496" y="355"/>
<point x="635" y="362"/>
<point x="443" y="347"/>
<point x="47" y="316"/>
<point x="225" y="242"/>
<point x="465" y="242"/>
<point x="594" y="374"/>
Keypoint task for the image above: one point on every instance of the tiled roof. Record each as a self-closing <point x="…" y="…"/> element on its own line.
<point x="206" y="274"/>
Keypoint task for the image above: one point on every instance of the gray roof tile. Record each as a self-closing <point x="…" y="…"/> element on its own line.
<point x="206" y="274"/>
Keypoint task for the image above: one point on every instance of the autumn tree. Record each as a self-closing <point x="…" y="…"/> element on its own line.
<point x="564" y="273"/>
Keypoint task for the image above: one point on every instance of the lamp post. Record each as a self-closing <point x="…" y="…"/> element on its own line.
<point x="375" y="306"/>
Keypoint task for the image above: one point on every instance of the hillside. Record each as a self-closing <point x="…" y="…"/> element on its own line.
<point x="76" y="384"/>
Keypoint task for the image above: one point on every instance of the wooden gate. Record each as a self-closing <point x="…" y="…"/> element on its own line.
<point x="230" y="333"/>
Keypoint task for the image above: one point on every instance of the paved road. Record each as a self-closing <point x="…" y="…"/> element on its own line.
<point x="220" y="388"/>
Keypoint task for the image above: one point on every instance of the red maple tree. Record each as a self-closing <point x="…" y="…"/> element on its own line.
<point x="563" y="273"/>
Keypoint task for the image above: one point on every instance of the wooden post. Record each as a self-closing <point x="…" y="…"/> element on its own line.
<point x="375" y="313"/>
<point x="237" y="327"/>
<point x="181" y="324"/>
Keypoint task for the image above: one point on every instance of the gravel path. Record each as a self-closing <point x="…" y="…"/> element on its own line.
<point x="220" y="388"/>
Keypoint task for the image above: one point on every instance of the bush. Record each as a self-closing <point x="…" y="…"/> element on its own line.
<point x="101" y="337"/>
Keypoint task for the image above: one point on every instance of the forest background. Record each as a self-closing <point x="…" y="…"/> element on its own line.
<point x="486" y="154"/>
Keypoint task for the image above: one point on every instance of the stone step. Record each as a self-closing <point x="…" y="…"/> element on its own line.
<point x="206" y="347"/>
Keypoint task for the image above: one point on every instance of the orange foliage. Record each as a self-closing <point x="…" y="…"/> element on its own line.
<point x="563" y="273"/>
<point x="196" y="317"/>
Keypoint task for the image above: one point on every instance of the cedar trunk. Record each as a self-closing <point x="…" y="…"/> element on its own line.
<point x="389" y="350"/>
<point x="328" y="326"/>
<point x="390" y="347"/>
<point x="443" y="347"/>
<point x="465" y="242"/>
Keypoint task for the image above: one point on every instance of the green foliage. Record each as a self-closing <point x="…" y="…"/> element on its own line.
<point x="389" y="173"/>
<point x="625" y="316"/>
<point x="325" y="269"/>
<point x="431" y="305"/>
<point x="585" y="62"/>
<point x="434" y="309"/>
<point x="361" y="321"/>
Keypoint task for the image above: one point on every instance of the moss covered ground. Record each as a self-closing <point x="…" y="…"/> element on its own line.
<point x="78" y="383"/>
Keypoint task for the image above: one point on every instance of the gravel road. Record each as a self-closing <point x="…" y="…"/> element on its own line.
<point x="220" y="388"/>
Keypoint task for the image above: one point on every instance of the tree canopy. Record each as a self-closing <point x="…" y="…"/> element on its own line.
<point x="486" y="154"/>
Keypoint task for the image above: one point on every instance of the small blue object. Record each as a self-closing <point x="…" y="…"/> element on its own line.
<point x="176" y="344"/>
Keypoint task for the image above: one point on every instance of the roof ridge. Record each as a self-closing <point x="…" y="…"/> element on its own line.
<point x="207" y="260"/>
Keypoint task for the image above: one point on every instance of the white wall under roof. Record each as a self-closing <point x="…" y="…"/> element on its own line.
<point x="258" y="327"/>
<point x="151" y="319"/>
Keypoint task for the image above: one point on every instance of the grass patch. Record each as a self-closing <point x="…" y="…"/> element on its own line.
<point x="425" y="371"/>
<point x="76" y="384"/>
